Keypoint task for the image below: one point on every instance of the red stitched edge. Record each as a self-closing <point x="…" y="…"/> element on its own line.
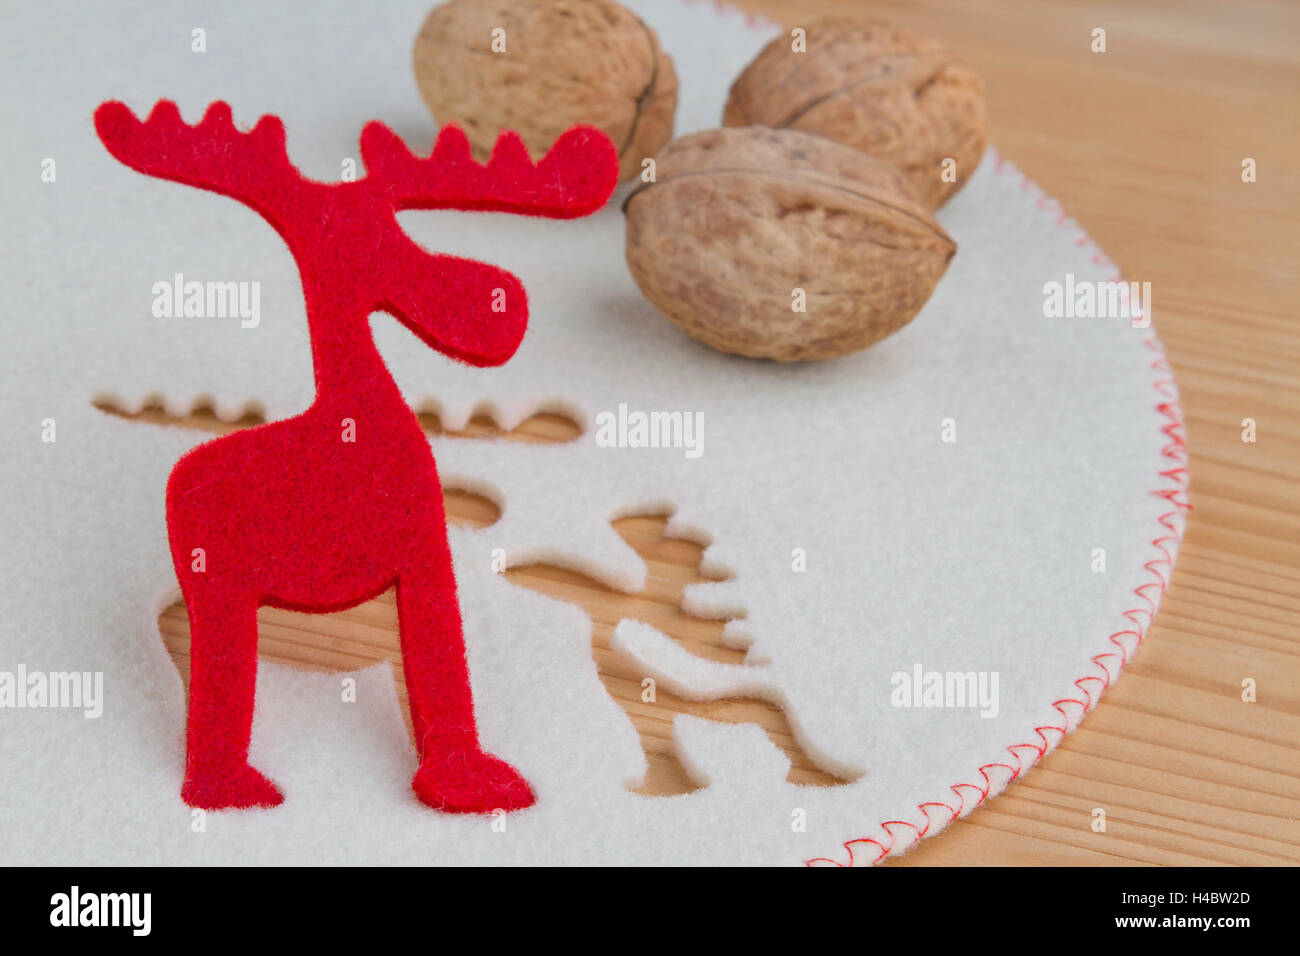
<point x="755" y="21"/>
<point x="1139" y="619"/>
<point x="1126" y="641"/>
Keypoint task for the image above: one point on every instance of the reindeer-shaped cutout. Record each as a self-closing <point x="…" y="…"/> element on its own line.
<point x="328" y="509"/>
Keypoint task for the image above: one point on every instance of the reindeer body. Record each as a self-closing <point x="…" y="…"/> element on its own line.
<point x="328" y="509"/>
<point x="217" y="493"/>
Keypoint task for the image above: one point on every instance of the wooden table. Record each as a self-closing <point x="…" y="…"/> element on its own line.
<point x="1144" y="145"/>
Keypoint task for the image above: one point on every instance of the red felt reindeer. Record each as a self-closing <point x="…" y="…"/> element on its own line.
<point x="328" y="509"/>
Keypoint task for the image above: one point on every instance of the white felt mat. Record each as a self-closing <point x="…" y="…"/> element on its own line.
<point x="973" y="555"/>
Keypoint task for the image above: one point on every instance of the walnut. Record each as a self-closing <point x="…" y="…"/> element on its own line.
<point x="878" y="88"/>
<point x="539" y="68"/>
<point x="744" y="227"/>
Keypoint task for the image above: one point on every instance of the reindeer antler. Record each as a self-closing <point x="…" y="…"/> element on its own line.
<point x="252" y="167"/>
<point x="573" y="179"/>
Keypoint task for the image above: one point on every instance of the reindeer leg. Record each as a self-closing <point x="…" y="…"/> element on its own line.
<point x="223" y="677"/>
<point x="455" y="774"/>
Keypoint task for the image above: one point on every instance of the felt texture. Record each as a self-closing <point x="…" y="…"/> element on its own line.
<point x="327" y="509"/>
<point x="971" y="555"/>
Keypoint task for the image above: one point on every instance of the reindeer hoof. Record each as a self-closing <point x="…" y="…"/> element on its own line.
<point x="470" y="781"/>
<point x="239" y="789"/>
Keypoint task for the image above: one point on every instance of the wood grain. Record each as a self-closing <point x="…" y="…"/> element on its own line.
<point x="1143" y="144"/>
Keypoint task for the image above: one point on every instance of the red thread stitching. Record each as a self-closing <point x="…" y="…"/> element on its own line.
<point x="1160" y="567"/>
<point x="1140" y="618"/>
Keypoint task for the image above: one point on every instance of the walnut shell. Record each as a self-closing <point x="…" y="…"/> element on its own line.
<point x="878" y="88"/>
<point x="565" y="62"/>
<point x="739" y="219"/>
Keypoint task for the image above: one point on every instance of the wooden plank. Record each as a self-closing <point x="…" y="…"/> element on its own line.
<point x="1143" y="145"/>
